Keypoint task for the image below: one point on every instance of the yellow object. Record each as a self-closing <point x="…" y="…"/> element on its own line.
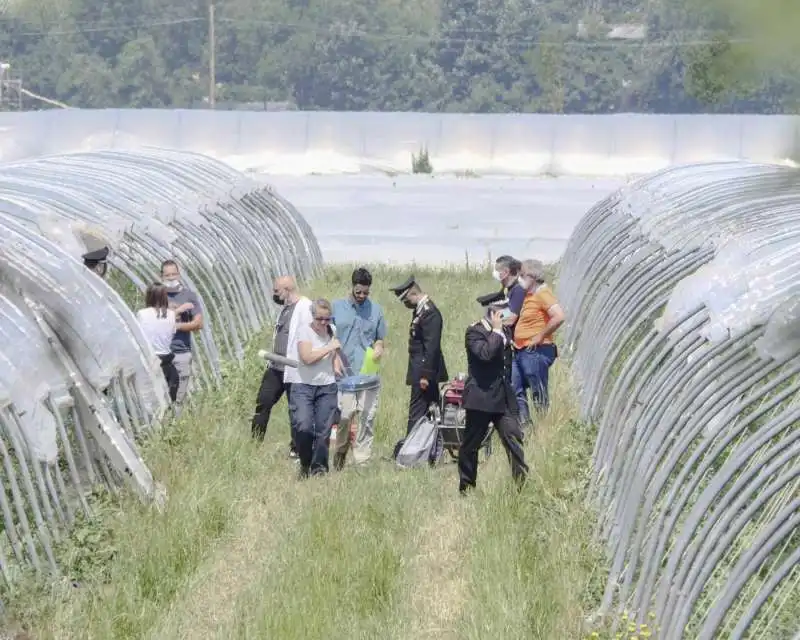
<point x="371" y="366"/>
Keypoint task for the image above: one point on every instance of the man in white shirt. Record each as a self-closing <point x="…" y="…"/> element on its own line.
<point x="273" y="386"/>
<point x="286" y="293"/>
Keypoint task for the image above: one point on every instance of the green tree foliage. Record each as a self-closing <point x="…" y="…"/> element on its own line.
<point x="751" y="56"/>
<point x="403" y="55"/>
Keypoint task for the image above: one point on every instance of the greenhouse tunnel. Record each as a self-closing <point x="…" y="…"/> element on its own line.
<point x="684" y="293"/>
<point x="78" y="381"/>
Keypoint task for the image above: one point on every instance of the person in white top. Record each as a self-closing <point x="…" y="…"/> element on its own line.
<point x="158" y="325"/>
<point x="296" y="313"/>
<point x="314" y="400"/>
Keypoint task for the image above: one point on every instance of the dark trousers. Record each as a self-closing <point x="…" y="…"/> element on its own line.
<point x="419" y="401"/>
<point x="313" y="410"/>
<point x="475" y="432"/>
<point x="171" y="375"/>
<point x="531" y="370"/>
<point x="269" y="393"/>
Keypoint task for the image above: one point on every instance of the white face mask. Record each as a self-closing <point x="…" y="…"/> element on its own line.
<point x="172" y="284"/>
<point x="496" y="275"/>
<point x="504" y="313"/>
<point x="524" y="282"/>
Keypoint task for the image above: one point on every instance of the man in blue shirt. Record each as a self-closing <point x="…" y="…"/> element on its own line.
<point x="506" y="272"/>
<point x="188" y="322"/>
<point x="360" y="324"/>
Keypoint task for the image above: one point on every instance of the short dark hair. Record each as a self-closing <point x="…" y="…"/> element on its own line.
<point x="362" y="276"/>
<point x="510" y="263"/>
<point x="169" y="263"/>
<point x="157" y="298"/>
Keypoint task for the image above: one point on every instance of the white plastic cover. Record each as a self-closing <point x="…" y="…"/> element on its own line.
<point x="76" y="371"/>
<point x="31" y="373"/>
<point x="742" y="284"/>
<point x="781" y="339"/>
<point x="697" y="416"/>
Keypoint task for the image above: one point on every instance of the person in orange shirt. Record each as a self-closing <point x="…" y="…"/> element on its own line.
<point x="535" y="351"/>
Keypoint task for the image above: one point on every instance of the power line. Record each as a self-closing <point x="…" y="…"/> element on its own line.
<point x="442" y="38"/>
<point x="106" y="29"/>
<point x="437" y="37"/>
<point x="109" y="22"/>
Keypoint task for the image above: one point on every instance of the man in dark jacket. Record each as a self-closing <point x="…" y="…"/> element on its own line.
<point x="489" y="398"/>
<point x="426" y="366"/>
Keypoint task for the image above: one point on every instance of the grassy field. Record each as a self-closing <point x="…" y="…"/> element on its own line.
<point x="244" y="550"/>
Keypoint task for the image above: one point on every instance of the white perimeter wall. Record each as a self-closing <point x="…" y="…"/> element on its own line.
<point x="331" y="142"/>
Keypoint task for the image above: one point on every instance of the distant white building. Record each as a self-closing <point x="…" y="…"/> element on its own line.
<point x="627" y="32"/>
<point x="633" y="31"/>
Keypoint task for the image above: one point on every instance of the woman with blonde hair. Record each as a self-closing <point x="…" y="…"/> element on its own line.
<point x="314" y="401"/>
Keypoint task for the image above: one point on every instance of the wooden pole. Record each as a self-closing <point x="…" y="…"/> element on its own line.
<point x="212" y="58"/>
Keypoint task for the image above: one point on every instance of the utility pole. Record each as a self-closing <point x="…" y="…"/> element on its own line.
<point x="212" y="58"/>
<point x="3" y="69"/>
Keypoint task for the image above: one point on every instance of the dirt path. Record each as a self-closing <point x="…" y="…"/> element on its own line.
<point x="439" y="571"/>
<point x="207" y="605"/>
<point x="439" y="583"/>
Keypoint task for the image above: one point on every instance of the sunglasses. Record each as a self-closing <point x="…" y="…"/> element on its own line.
<point x="325" y="319"/>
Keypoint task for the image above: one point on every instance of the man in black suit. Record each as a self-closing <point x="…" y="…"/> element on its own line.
<point x="489" y="398"/>
<point x="426" y="366"/>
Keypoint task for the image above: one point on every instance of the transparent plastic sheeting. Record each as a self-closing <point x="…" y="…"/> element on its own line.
<point x="683" y="292"/>
<point x="78" y="381"/>
<point x="309" y="142"/>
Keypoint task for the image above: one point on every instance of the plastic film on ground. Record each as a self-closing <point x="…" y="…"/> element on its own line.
<point x="79" y="383"/>
<point x="682" y="294"/>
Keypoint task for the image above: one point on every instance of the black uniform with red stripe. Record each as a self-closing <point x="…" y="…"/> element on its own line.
<point x="425" y="359"/>
<point x="489" y="400"/>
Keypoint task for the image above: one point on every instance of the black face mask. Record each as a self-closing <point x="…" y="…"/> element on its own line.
<point x="277" y="299"/>
<point x="409" y="305"/>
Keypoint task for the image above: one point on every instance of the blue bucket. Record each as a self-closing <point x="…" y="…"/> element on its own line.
<point x="361" y="382"/>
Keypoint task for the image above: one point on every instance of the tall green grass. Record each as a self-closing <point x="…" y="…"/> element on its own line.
<point x="245" y="550"/>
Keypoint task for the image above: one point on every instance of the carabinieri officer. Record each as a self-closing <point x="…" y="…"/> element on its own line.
<point x="489" y="398"/>
<point x="426" y="366"/>
<point x="97" y="261"/>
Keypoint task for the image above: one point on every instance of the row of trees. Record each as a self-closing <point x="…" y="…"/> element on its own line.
<point x="439" y="55"/>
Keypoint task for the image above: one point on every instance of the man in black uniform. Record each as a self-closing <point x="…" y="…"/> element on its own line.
<point x="426" y="366"/>
<point x="489" y="398"/>
<point x="97" y="261"/>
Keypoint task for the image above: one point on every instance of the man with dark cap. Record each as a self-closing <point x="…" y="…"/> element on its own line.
<point x="97" y="261"/>
<point x="426" y="366"/>
<point x="489" y="397"/>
